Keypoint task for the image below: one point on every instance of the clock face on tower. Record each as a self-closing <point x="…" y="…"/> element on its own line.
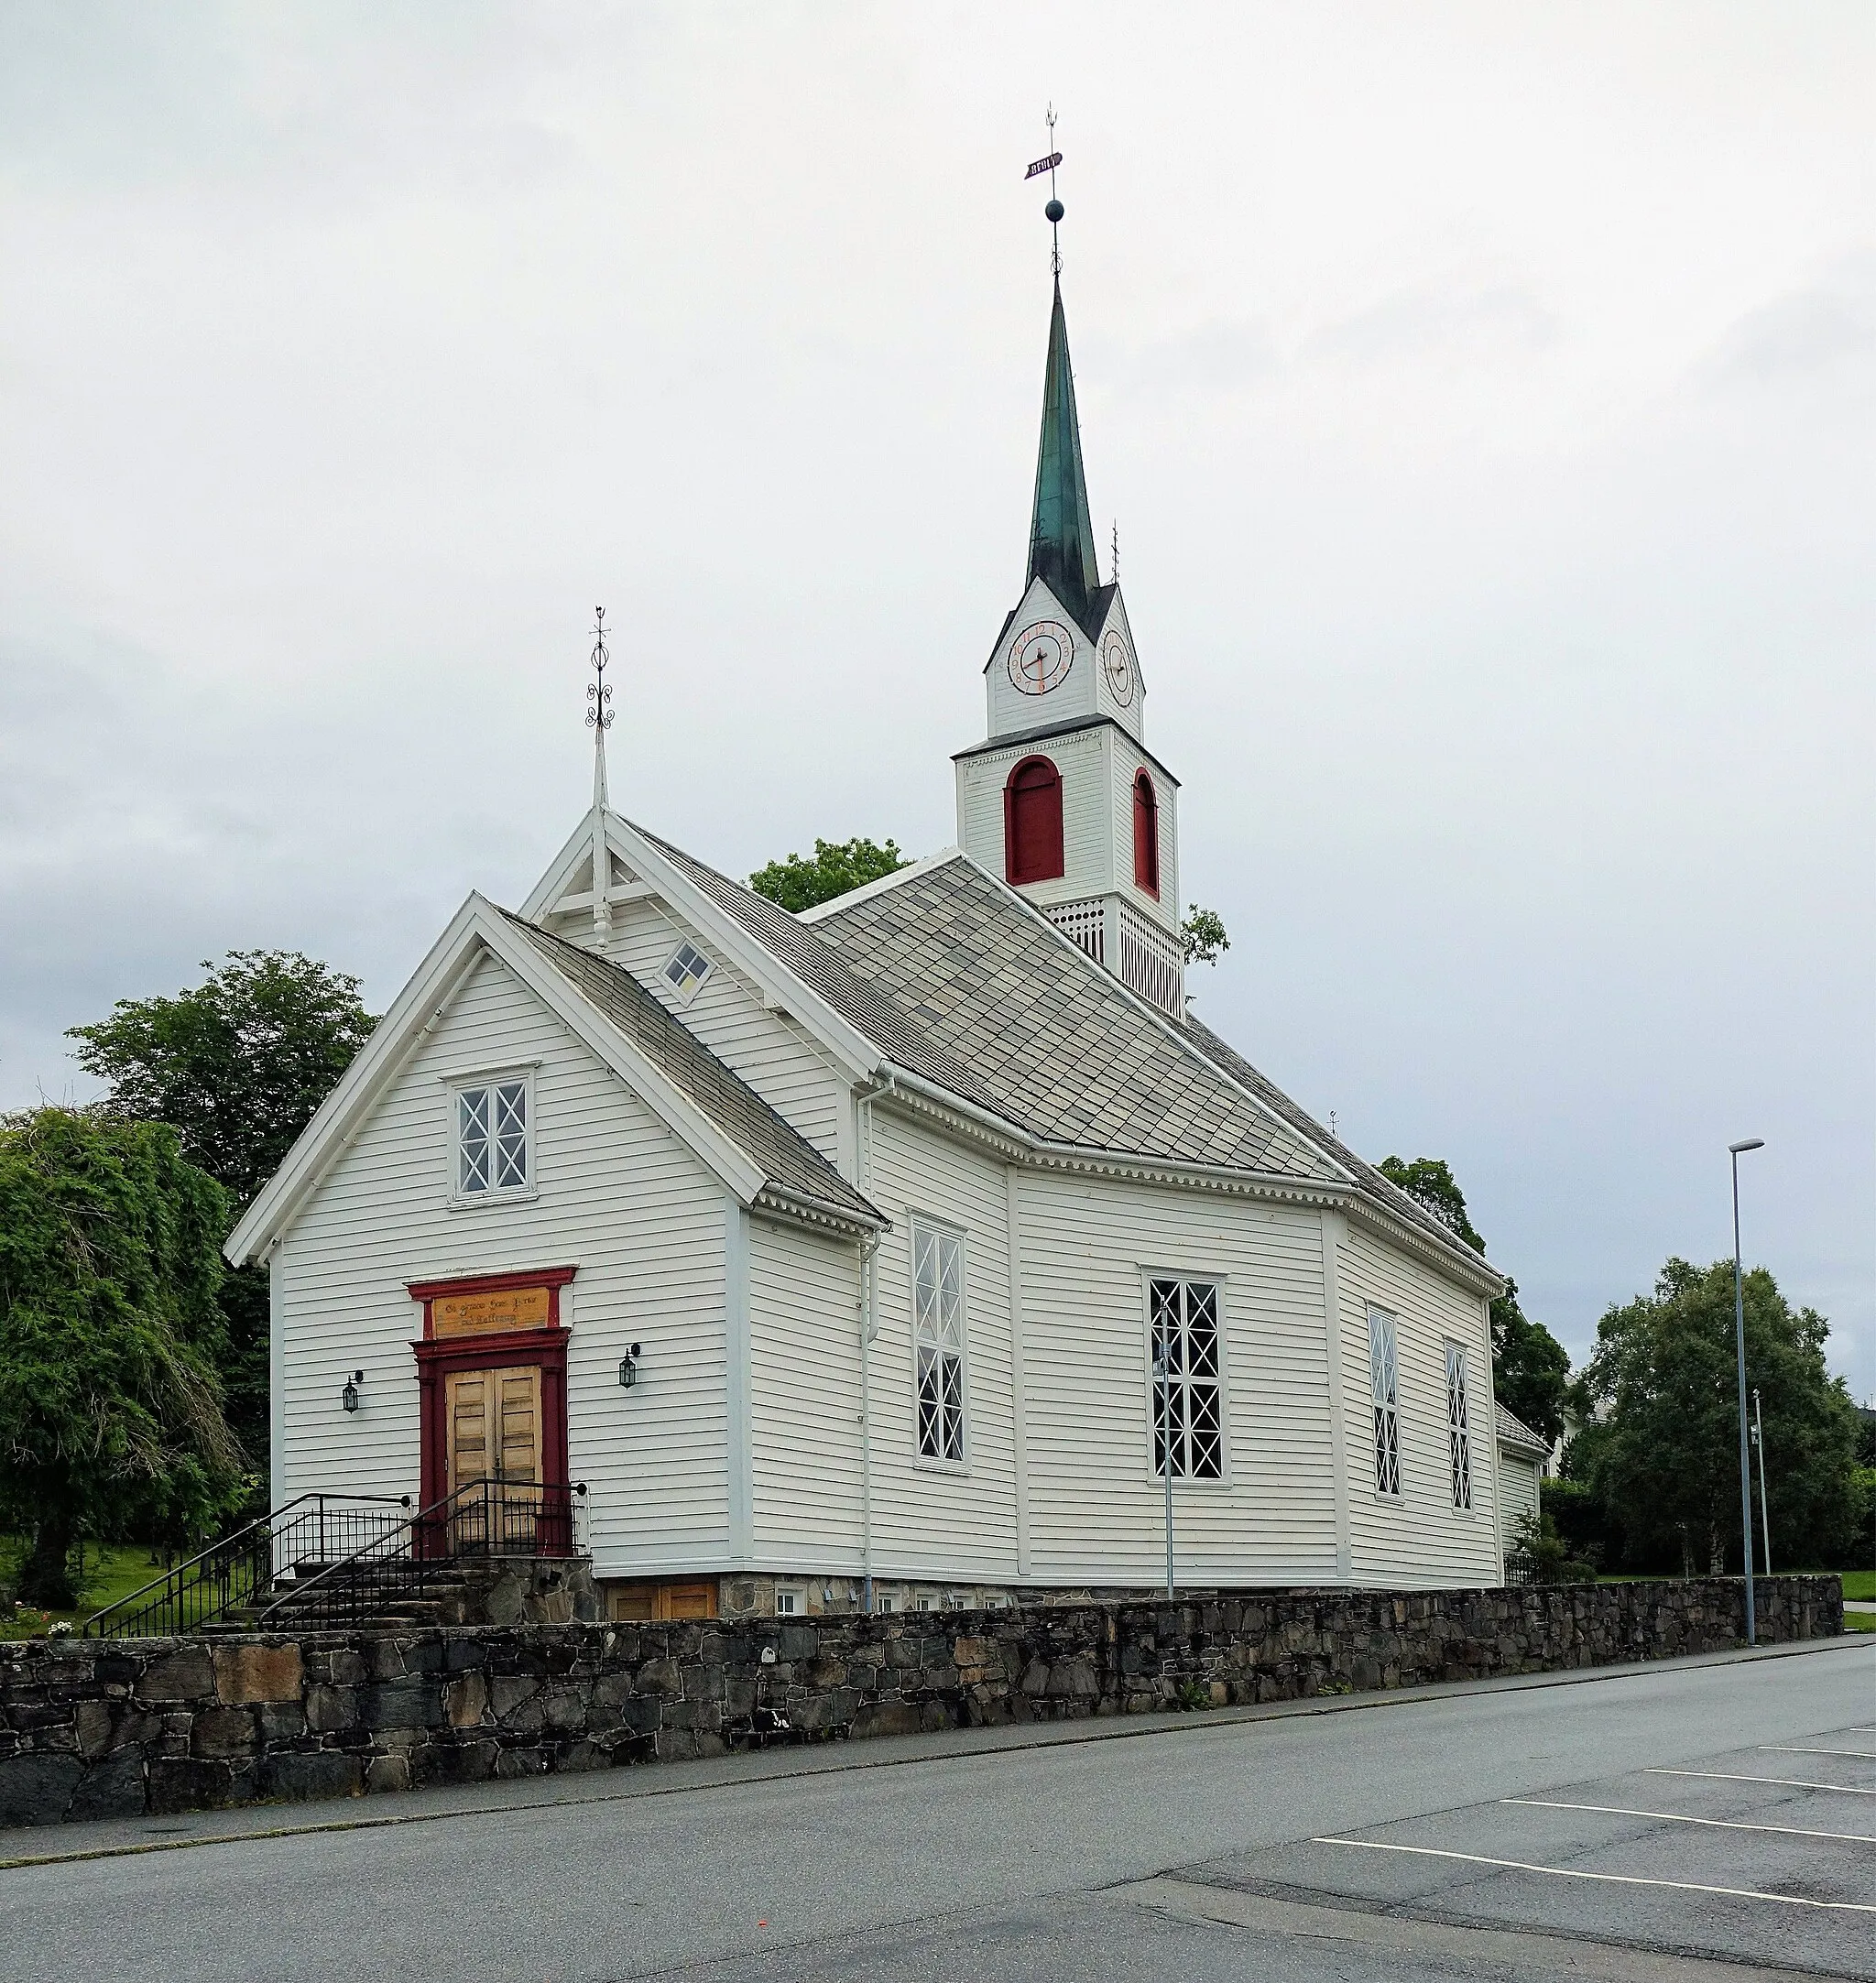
<point x="1041" y="656"/>
<point x="1117" y="664"/>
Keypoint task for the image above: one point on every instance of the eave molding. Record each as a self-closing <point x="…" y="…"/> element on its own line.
<point x="910" y="1096"/>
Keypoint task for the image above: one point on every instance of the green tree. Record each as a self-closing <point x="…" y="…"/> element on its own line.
<point x="1662" y="1449"/>
<point x="839" y="866"/>
<point x="110" y="1326"/>
<point x="1202" y="935"/>
<point x="237" y="1066"/>
<point x="1530" y="1368"/>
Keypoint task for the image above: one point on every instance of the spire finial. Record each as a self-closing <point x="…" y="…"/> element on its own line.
<point x="599" y="720"/>
<point x="599" y="700"/>
<point x="1114" y="554"/>
<point x="1053" y="212"/>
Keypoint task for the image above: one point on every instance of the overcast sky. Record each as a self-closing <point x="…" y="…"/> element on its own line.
<point x="1486" y="394"/>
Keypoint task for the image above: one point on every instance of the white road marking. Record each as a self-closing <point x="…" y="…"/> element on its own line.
<point x="1675" y="1818"/>
<point x="1799" y="1748"/>
<point x="1617" y="1879"/>
<point x="1789" y="1783"/>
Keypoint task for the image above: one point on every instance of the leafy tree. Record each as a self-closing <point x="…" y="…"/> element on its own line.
<point x="237" y="1066"/>
<point x="1530" y="1368"/>
<point x="1203" y="936"/>
<point x="110" y="1326"/>
<point x="1538" y="1554"/>
<point x="839" y="866"/>
<point x="1662" y="1449"/>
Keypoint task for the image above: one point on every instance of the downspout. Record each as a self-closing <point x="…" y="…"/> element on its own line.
<point x="870" y="1328"/>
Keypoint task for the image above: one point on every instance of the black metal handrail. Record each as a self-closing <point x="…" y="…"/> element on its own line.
<point x="480" y="1519"/>
<point x="233" y="1570"/>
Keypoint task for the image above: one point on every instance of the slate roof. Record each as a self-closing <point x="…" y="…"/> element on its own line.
<point x="959" y="980"/>
<point x="1515" y="1433"/>
<point x="790" y="1163"/>
<point x="1378" y="1186"/>
<point x="962" y="983"/>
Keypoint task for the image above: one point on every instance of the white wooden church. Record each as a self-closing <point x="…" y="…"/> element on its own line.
<point x="890" y="1254"/>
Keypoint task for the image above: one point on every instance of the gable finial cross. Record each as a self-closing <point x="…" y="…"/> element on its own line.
<point x="599" y="715"/>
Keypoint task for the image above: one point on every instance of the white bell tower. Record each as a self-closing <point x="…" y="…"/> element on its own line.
<point x="1065" y="801"/>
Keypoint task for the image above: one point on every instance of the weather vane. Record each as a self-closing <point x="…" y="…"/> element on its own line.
<point x="1053" y="212"/>
<point x="599" y="691"/>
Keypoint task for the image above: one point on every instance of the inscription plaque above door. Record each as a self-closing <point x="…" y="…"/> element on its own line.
<point x="491" y="1311"/>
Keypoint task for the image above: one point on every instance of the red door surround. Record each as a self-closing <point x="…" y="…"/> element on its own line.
<point x="477" y="1335"/>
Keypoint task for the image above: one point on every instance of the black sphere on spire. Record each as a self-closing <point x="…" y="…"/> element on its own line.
<point x="1053" y="212"/>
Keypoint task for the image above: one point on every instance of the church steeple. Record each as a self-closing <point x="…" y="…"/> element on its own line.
<point x="1062" y="534"/>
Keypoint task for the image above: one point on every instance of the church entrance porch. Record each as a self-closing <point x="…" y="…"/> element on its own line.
<point x="492" y="1379"/>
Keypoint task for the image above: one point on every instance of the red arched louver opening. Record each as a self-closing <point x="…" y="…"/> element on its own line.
<point x="1032" y="822"/>
<point x="1146" y="835"/>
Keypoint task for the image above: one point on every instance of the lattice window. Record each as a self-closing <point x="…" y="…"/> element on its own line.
<point x="1384" y="1386"/>
<point x="1187" y="1395"/>
<point x="1458" y="1426"/>
<point x="492" y="1137"/>
<point x="686" y="971"/>
<point x="938" y="1341"/>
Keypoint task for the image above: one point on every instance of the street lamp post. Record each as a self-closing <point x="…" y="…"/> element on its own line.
<point x="1162" y="1372"/>
<point x="1764" y="1506"/>
<point x="1737" y="1151"/>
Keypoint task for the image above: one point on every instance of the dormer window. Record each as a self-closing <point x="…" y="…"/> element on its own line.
<point x="686" y="971"/>
<point x="1032" y="822"/>
<point x="1146" y="836"/>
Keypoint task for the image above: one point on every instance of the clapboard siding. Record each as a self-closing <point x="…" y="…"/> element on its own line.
<point x="1126" y="761"/>
<point x="804" y="1393"/>
<point x="1096" y="1511"/>
<point x="1087" y="840"/>
<point x="930" y="1520"/>
<point x="1420" y="1539"/>
<point x="768" y="1049"/>
<point x="620" y="1198"/>
<point x="1518" y="1493"/>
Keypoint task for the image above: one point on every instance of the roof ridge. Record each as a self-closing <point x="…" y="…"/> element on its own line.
<point x="879" y="883"/>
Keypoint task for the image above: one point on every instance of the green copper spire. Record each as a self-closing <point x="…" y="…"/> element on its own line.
<point x="1061" y="537"/>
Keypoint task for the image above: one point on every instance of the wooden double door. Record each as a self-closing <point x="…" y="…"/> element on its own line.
<point x="493" y="1430"/>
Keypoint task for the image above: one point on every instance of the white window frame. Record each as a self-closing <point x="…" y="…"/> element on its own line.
<point x="941" y="1233"/>
<point x="457" y="1088"/>
<point x="1188" y="1384"/>
<point x="1384" y="1402"/>
<point x="1459" y="1427"/>
<point x="797" y="1598"/>
<point x="686" y="987"/>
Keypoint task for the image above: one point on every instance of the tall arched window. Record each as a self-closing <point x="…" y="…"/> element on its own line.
<point x="1146" y="835"/>
<point x="1032" y="822"/>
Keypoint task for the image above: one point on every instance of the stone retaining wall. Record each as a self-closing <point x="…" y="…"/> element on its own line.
<point x="115" y="1728"/>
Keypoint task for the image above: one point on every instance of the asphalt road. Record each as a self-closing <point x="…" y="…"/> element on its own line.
<point x="1539" y="1831"/>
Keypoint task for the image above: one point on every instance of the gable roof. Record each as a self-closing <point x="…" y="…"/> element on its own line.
<point x="727" y="1125"/>
<point x="960" y="981"/>
<point x="790" y="1165"/>
<point x="1515" y="1433"/>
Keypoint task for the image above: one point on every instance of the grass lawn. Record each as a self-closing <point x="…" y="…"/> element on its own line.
<point x="112" y="1570"/>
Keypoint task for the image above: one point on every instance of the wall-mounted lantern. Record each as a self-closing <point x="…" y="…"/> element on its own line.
<point x="628" y="1369"/>
<point x="348" y="1398"/>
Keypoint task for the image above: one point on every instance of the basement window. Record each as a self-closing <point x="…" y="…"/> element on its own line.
<point x="686" y="971"/>
<point x="790" y="1603"/>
